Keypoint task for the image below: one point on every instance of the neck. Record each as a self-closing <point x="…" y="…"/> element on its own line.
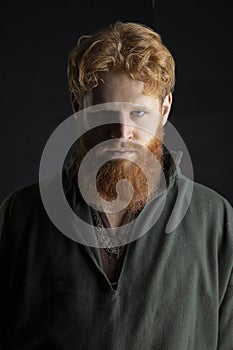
<point x="116" y="219"/>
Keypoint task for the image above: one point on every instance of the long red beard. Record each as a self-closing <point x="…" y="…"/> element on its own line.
<point x="116" y="169"/>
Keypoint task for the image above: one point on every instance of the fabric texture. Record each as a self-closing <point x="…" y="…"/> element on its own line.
<point x="174" y="291"/>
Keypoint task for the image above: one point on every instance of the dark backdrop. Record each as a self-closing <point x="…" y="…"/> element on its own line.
<point x="35" y="42"/>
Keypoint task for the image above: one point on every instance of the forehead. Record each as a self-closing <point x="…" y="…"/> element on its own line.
<point x="119" y="87"/>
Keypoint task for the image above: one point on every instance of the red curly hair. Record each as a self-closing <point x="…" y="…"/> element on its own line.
<point x="131" y="48"/>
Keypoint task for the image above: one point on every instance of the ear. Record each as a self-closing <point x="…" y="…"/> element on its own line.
<point x="166" y="107"/>
<point x="74" y="102"/>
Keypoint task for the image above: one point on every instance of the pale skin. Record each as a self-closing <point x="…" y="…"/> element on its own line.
<point x="119" y="87"/>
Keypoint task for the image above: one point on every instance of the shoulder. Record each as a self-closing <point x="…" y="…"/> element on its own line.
<point x="207" y="209"/>
<point x="206" y="193"/>
<point x="27" y="199"/>
<point x="21" y="210"/>
<point x="204" y="196"/>
<point x="24" y="197"/>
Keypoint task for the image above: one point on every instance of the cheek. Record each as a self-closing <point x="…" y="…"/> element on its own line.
<point x="149" y="125"/>
<point x="143" y="137"/>
<point x="145" y="134"/>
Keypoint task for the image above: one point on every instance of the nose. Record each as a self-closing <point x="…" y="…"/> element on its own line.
<point x="122" y="129"/>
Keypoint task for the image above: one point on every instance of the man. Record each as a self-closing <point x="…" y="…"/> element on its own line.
<point x="132" y="290"/>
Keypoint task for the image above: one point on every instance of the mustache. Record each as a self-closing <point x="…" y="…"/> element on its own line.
<point x="128" y="146"/>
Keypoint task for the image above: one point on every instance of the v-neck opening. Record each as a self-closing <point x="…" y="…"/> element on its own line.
<point x="106" y="265"/>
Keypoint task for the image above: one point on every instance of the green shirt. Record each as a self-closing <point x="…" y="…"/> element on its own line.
<point x="175" y="290"/>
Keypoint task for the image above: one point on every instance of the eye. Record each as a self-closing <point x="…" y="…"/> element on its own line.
<point x="138" y="113"/>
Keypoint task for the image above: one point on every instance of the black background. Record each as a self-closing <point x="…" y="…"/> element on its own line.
<point x="35" y="42"/>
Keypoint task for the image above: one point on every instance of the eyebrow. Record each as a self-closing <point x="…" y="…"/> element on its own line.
<point x="125" y="106"/>
<point x="143" y="107"/>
